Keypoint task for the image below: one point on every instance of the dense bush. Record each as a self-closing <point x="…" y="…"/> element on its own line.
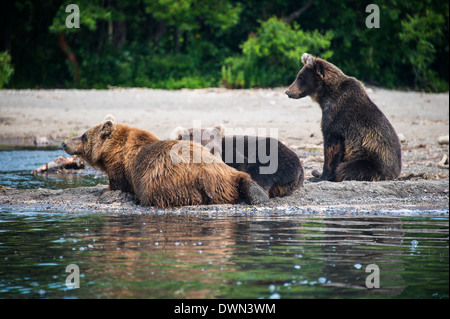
<point x="271" y="56"/>
<point x="6" y="70"/>
<point x="419" y="36"/>
<point x="141" y="66"/>
<point x="409" y="50"/>
<point x="189" y="43"/>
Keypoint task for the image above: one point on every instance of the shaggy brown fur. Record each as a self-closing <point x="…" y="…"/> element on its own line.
<point x="359" y="141"/>
<point x="161" y="173"/>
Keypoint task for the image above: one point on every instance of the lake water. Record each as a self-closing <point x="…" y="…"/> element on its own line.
<point x="211" y="255"/>
<point x="197" y="256"/>
<point x="16" y="170"/>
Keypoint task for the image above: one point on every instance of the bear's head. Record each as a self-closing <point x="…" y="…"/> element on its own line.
<point x="89" y="145"/>
<point x="310" y="79"/>
<point x="209" y="137"/>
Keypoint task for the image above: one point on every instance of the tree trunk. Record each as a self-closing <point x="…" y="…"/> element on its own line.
<point x="110" y="31"/>
<point x="294" y="15"/>
<point x="161" y="29"/>
<point x="176" y="39"/>
<point x="70" y="56"/>
<point x="5" y="36"/>
<point x="119" y="33"/>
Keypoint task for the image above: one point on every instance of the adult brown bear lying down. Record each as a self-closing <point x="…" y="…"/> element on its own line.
<point x="359" y="142"/>
<point x="161" y="173"/>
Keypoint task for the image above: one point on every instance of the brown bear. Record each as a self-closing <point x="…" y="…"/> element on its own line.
<point x="270" y="163"/>
<point x="161" y="173"/>
<point x="359" y="141"/>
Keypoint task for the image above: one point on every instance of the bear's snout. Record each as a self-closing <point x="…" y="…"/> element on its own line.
<point x="72" y="146"/>
<point x="288" y="93"/>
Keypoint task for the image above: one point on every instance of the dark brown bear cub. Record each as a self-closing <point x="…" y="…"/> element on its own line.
<point x="161" y="173"/>
<point x="270" y="163"/>
<point x="359" y="142"/>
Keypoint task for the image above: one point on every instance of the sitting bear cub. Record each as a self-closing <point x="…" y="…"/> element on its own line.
<point x="157" y="172"/>
<point x="269" y="162"/>
<point x="359" y="142"/>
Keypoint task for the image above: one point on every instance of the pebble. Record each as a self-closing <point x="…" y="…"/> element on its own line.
<point x="443" y="140"/>
<point x="401" y="137"/>
<point x="43" y="141"/>
<point x="443" y="163"/>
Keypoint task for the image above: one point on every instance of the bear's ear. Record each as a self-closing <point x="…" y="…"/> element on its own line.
<point x="109" y="117"/>
<point x="307" y="59"/>
<point x="320" y="68"/>
<point x="107" y="128"/>
<point x="221" y="129"/>
<point x="178" y="133"/>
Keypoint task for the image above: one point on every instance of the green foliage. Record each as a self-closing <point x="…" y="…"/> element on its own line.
<point x="386" y="56"/>
<point x="180" y="58"/>
<point x="271" y="57"/>
<point x="91" y="11"/>
<point x="185" y="13"/>
<point x="141" y="66"/>
<point x="190" y="43"/>
<point x="6" y="70"/>
<point x="420" y="35"/>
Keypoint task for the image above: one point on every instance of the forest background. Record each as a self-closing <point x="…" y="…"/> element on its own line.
<point x="173" y="44"/>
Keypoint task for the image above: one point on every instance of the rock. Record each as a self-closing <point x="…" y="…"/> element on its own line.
<point x="316" y="173"/>
<point x="401" y="137"/>
<point x="443" y="140"/>
<point x="444" y="162"/>
<point x="41" y="141"/>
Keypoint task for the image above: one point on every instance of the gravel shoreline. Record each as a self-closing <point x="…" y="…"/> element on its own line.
<point x="27" y="116"/>
<point x="395" y="197"/>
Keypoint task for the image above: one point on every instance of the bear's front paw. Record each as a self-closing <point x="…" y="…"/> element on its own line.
<point x="256" y="195"/>
<point x="316" y="174"/>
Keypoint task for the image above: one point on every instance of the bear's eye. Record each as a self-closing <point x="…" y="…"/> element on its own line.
<point x="300" y="77"/>
<point x="84" y="137"/>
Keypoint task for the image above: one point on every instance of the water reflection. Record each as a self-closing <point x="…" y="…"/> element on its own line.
<point x="198" y="255"/>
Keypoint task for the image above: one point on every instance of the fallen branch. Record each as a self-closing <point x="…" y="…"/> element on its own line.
<point x="444" y="162"/>
<point x="414" y="147"/>
<point x="61" y="163"/>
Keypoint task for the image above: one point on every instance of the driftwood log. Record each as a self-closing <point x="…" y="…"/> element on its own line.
<point x="444" y="162"/>
<point x="61" y="163"/>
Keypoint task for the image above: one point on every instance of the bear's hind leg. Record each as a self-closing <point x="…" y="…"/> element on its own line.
<point x="359" y="170"/>
<point x="251" y="192"/>
<point x="280" y="190"/>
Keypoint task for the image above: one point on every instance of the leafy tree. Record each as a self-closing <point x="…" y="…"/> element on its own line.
<point x="384" y="56"/>
<point x="271" y="56"/>
<point x="169" y="51"/>
<point x="24" y="34"/>
<point x="420" y="35"/>
<point x="6" y="70"/>
<point x="199" y="43"/>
